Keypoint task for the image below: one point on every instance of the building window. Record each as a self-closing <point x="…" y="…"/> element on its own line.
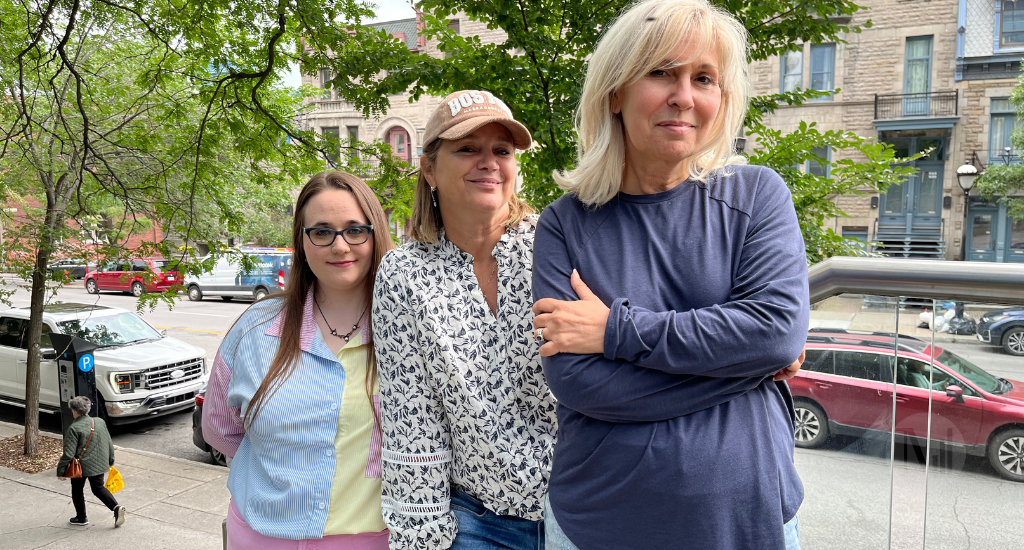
<point x="823" y="63"/>
<point x="919" y="65"/>
<point x="453" y="25"/>
<point x="353" y="136"/>
<point x="792" y="70"/>
<point x="1003" y="122"/>
<point x="332" y="146"/>
<point x="817" y="168"/>
<point x="398" y="138"/>
<point x="325" y="82"/>
<point x="1011" y="24"/>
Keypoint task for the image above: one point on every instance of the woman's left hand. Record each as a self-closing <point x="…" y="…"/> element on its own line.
<point x="571" y="326"/>
<point x="790" y="371"/>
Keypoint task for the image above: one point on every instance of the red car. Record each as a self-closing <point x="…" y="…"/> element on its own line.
<point x="136" y="276"/>
<point x="846" y="387"/>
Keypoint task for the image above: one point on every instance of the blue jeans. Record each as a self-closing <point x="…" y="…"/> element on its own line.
<point x="557" y="539"/>
<point x="482" y="529"/>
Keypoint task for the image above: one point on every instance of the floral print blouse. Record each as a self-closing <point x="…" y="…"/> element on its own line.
<point x="463" y="398"/>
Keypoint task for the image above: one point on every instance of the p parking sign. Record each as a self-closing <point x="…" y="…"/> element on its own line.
<point x="85" y="362"/>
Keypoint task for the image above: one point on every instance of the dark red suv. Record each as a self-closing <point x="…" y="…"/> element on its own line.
<point x="846" y="387"/>
<point x="138" y="276"/>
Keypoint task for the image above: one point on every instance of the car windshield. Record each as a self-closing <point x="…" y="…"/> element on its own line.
<point x="116" y="330"/>
<point x="970" y="371"/>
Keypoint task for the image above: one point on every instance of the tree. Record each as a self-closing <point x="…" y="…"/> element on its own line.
<point x="1006" y="181"/>
<point x="538" y="70"/>
<point x="155" y="112"/>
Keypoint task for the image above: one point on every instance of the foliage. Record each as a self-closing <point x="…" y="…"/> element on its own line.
<point x="538" y="70"/>
<point x="1007" y="181"/>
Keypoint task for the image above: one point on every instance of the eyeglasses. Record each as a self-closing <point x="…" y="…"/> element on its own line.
<point x="324" y="236"/>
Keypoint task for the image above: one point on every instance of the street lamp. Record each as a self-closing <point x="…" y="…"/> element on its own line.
<point x="965" y="176"/>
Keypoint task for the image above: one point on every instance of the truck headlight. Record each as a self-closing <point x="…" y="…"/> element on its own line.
<point x="118" y="408"/>
<point x="124" y="383"/>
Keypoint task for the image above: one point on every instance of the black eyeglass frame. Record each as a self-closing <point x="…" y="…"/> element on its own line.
<point x="308" y="230"/>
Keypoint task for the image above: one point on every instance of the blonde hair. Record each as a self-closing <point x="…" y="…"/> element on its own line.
<point x="639" y="41"/>
<point x="426" y="223"/>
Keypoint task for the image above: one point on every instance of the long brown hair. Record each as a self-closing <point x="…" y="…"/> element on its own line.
<point x="426" y="223"/>
<point x="302" y="279"/>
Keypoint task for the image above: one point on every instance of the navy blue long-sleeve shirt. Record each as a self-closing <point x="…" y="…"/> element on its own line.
<point x="677" y="437"/>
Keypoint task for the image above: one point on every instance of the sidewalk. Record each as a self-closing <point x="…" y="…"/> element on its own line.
<point x="172" y="504"/>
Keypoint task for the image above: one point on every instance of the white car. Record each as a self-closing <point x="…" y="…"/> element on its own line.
<point x="139" y="372"/>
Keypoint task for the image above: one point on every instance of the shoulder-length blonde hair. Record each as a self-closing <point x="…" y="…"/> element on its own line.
<point x="425" y="224"/>
<point x="639" y="41"/>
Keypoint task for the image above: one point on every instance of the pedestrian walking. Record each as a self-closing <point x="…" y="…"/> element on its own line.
<point x="293" y="392"/>
<point x="672" y="294"/>
<point x="88" y="441"/>
<point x="468" y="421"/>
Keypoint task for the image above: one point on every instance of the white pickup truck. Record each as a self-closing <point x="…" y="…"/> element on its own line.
<point x="139" y="372"/>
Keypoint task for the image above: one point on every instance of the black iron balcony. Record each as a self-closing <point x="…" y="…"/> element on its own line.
<point x="926" y="104"/>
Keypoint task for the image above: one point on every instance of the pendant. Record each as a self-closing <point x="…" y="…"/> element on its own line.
<point x="346" y="338"/>
<point x="334" y="332"/>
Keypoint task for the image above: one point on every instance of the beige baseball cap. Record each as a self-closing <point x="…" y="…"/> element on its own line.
<point x="462" y="112"/>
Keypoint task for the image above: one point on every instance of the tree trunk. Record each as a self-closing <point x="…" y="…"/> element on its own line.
<point x="54" y="220"/>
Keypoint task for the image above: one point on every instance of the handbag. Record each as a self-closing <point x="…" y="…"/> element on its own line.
<point x="114" y="481"/>
<point x="74" y="468"/>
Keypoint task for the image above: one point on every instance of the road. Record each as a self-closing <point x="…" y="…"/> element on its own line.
<point x="847" y="483"/>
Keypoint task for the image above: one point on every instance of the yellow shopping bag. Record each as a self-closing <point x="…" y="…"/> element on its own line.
<point x="114" y="482"/>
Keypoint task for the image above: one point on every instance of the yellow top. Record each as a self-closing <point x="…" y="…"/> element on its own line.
<point x="355" y="492"/>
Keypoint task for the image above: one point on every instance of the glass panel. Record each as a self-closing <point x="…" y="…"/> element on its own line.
<point x="400" y="143"/>
<point x="999" y="136"/>
<point x="326" y="75"/>
<point x="815" y="167"/>
<point x="1016" y="240"/>
<point x="1012" y="24"/>
<point x="981" y="232"/>
<point x="894" y="199"/>
<point x="822" y="67"/>
<point x="928" y="192"/>
<point x="974" y="462"/>
<point x="1001" y="106"/>
<point x="333" y="147"/>
<point x="792" y="71"/>
<point x="843" y="424"/>
<point x="937" y="147"/>
<point x="917" y="76"/>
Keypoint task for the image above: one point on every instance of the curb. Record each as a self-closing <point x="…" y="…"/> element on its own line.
<point x="150" y="454"/>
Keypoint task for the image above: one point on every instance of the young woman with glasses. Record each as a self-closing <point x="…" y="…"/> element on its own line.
<point x="293" y="392"/>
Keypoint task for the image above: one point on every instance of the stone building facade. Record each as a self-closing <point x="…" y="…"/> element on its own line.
<point x="933" y="74"/>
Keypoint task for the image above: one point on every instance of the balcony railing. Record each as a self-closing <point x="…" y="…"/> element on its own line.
<point x="926" y="104"/>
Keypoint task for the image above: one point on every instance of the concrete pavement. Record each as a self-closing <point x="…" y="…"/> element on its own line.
<point x="172" y="504"/>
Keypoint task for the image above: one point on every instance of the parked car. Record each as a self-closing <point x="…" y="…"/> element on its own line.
<point x="197" y="432"/>
<point x="229" y="279"/>
<point x="76" y="269"/>
<point x="139" y="372"/>
<point x="846" y="387"/>
<point x="137" y="276"/>
<point x="1003" y="327"/>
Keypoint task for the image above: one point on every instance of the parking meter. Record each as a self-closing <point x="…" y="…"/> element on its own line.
<point x="76" y="372"/>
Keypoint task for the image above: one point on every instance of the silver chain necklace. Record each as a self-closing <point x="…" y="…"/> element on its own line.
<point x="334" y="332"/>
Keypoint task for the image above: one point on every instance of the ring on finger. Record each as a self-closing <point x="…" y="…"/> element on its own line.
<point x="539" y="335"/>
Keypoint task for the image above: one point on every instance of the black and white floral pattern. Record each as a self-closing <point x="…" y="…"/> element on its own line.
<point x="463" y="396"/>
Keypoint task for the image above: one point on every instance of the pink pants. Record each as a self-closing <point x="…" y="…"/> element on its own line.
<point x="243" y="537"/>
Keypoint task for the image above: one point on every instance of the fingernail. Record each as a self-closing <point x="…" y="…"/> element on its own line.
<point x="575" y="273"/>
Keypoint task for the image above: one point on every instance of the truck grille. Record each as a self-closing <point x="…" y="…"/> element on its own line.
<point x="160" y="377"/>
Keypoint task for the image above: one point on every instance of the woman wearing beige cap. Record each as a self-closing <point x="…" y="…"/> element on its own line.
<point x="468" y="421"/>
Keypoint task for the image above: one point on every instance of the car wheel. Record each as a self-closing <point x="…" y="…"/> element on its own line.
<point x="194" y="293"/>
<point x="138" y="289"/>
<point x="227" y="298"/>
<point x="90" y="286"/>
<point x="218" y="457"/>
<point x="1013" y="341"/>
<point x="811" y="425"/>
<point x="1006" y="454"/>
<point x="259" y="294"/>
